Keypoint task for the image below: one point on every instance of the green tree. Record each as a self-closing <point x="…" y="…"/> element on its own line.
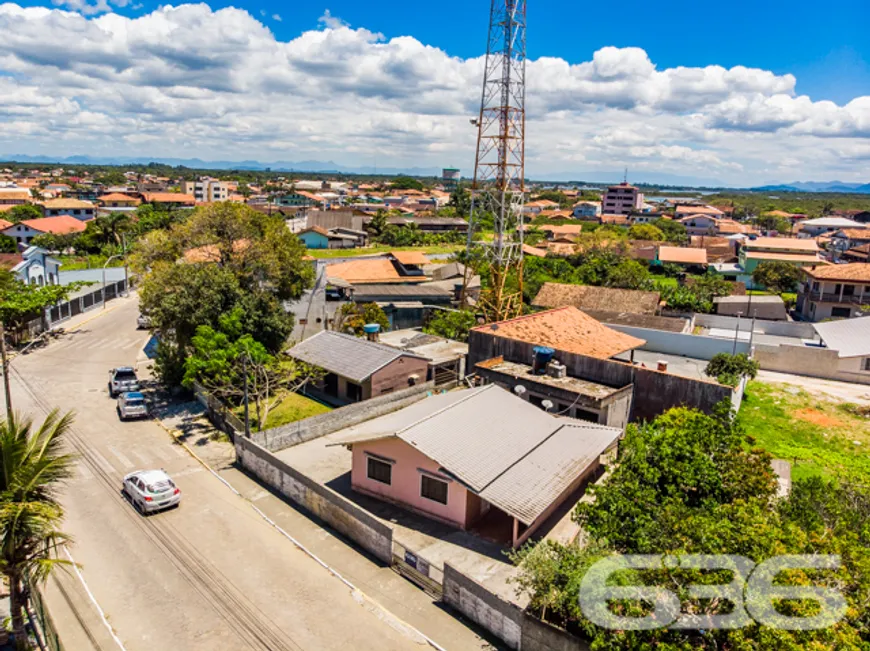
<point x="22" y="213"/>
<point x="451" y="325"/>
<point x="460" y="200"/>
<point x="407" y="183"/>
<point x="378" y="223"/>
<point x="629" y="274"/>
<point x="351" y="317"/>
<point x="20" y="302"/>
<point x="7" y="244"/>
<point x="770" y="222"/>
<point x="674" y="232"/>
<point x="729" y="369"/>
<point x="646" y="232"/>
<point x="777" y="276"/>
<point x="33" y="464"/>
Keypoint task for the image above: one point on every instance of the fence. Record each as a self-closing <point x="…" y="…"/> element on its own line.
<point x="418" y="570"/>
<point x="218" y="413"/>
<point x="73" y="307"/>
<point x="42" y="620"/>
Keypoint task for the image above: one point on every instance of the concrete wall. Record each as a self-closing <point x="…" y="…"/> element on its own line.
<point x="811" y="361"/>
<point x="654" y="391"/>
<point x="292" y="434"/>
<point x="780" y="328"/>
<point x="396" y="375"/>
<point x="517" y="629"/>
<point x="367" y="531"/>
<point x="686" y="345"/>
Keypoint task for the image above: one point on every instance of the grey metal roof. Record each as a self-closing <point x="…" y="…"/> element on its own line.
<point x="849" y="337"/>
<point x="421" y="289"/>
<point x="351" y="357"/>
<point x="506" y="450"/>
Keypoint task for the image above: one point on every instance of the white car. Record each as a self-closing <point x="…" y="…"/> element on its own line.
<point x="132" y="405"/>
<point x="143" y="322"/>
<point x="151" y="490"/>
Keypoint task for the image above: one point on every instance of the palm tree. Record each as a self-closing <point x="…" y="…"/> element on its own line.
<point x="32" y="465"/>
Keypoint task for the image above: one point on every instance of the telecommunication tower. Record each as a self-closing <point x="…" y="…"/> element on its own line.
<point x="499" y="169"/>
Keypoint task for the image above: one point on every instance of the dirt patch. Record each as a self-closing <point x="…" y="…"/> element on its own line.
<point x="819" y="418"/>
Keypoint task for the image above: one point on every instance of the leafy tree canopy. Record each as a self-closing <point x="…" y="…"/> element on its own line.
<point x="646" y="232"/>
<point x="351" y="318"/>
<point x="777" y="276"/>
<point x="451" y="325"/>
<point x="407" y="183"/>
<point x="728" y="369"/>
<point x="21" y="213"/>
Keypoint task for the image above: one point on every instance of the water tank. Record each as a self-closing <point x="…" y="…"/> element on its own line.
<point x="372" y="330"/>
<point x="542" y="357"/>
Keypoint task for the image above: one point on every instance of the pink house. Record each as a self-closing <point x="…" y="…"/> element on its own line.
<point x="480" y="459"/>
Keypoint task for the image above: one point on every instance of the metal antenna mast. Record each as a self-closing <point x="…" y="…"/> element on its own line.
<point x="499" y="169"/>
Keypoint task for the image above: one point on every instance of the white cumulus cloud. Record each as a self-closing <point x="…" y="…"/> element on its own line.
<point x="189" y="80"/>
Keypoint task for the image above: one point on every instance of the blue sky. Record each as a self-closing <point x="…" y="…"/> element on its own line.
<point x="642" y="90"/>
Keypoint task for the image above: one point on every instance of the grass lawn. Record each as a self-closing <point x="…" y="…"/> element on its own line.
<point x="294" y="407"/>
<point x="369" y="250"/>
<point x="818" y="436"/>
<point x="665" y="281"/>
<point x="75" y="262"/>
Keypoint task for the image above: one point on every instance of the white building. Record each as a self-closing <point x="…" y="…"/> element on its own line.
<point x="37" y="268"/>
<point x="206" y="189"/>
<point x="586" y="209"/>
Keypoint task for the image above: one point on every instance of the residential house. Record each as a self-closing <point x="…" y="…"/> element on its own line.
<point x="769" y="308"/>
<point x="37" y="267"/>
<point x="699" y="224"/>
<point x="81" y="210"/>
<point x="315" y="237"/>
<point x="446" y="357"/>
<point x="23" y="232"/>
<point x="396" y="267"/>
<point x="858" y="254"/>
<point x="534" y="208"/>
<point x="614" y="219"/>
<point x="822" y="225"/>
<point x="851" y="339"/>
<point x="796" y="251"/>
<point x="564" y="232"/>
<point x="14" y="196"/>
<point x="586" y="210"/>
<point x="685" y="257"/>
<point x="849" y="238"/>
<point x="357" y="369"/>
<point x="834" y="291"/>
<point x="294" y="199"/>
<point x="117" y="202"/>
<point x="430" y="223"/>
<point x="689" y="210"/>
<point x="478" y="457"/>
<point x="169" y="200"/>
<point x="206" y="189"/>
<point x="622" y="199"/>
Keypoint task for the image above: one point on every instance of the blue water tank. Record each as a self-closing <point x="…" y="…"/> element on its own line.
<point x="371" y="328"/>
<point x="543" y="355"/>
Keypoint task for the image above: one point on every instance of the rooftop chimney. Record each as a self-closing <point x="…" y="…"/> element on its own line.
<point x="662" y="366"/>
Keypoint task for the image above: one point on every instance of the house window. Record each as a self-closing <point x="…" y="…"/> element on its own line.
<point x="866" y="366"/>
<point x="379" y="471"/>
<point x="841" y="312"/>
<point x="433" y="489"/>
<point x="354" y="392"/>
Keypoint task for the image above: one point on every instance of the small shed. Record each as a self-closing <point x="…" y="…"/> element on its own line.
<point x="771" y="308"/>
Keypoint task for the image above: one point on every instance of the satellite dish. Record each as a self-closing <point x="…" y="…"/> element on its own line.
<point x="519" y="389"/>
<point x="547" y="405"/>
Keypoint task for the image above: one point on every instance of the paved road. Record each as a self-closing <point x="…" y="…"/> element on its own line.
<point x="211" y="575"/>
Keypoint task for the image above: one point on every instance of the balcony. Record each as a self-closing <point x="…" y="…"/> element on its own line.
<point x="830" y="297"/>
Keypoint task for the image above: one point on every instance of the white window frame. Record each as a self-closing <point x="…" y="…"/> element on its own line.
<point x="389" y="462"/>
<point x="435" y="477"/>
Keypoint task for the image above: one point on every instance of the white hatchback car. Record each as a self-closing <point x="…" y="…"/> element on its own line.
<point x="151" y="490"/>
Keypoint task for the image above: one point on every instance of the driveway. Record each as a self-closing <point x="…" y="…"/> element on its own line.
<point x="833" y="390"/>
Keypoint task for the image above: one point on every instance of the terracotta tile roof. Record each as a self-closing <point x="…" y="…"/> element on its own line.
<point x="316" y="229"/>
<point x="556" y="214"/>
<point x="566" y="329"/>
<point x="731" y="227"/>
<point x="782" y="243"/>
<point x="854" y="271"/>
<point x="65" y="204"/>
<point x="60" y="225"/>
<point x="563" y="229"/>
<point x="854" y="233"/>
<point x="782" y="213"/>
<point x="378" y="270"/>
<point x="697" y="210"/>
<point x="169" y="197"/>
<point x="586" y="297"/>
<point x="9" y="260"/>
<point x="682" y="255"/>
<point x="561" y="248"/>
<point x="410" y="257"/>
<point x="117" y="196"/>
<point x="4" y="224"/>
<point x="618" y="220"/>
<point x="533" y="251"/>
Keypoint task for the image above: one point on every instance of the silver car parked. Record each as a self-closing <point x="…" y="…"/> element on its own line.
<point x="122" y="379"/>
<point x="151" y="490"/>
<point x="132" y="405"/>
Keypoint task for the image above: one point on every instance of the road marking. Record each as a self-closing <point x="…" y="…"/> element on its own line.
<point x="121" y="457"/>
<point x="94" y="600"/>
<point x="103" y="463"/>
<point x="187" y="471"/>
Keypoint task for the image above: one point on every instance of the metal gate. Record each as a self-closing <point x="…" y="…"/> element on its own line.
<point x="418" y="570"/>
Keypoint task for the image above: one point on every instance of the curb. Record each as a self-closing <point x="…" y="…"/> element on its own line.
<point x="174" y="433"/>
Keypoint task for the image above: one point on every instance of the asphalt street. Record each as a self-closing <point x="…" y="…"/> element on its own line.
<point x="212" y="574"/>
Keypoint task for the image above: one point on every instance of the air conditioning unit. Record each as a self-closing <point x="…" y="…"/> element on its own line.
<point x="556" y="369"/>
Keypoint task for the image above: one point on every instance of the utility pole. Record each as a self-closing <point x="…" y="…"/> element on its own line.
<point x="736" y="334"/>
<point x="247" y="415"/>
<point x="6" y="386"/>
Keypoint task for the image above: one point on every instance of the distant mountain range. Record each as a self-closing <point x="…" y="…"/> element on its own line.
<point x="817" y="186"/>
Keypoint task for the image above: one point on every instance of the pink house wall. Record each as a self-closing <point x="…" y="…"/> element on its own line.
<point x="406" y="480"/>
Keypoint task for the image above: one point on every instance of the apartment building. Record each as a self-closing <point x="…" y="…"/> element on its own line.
<point x="206" y="189"/>
<point x="622" y="199"/>
<point x="837" y="291"/>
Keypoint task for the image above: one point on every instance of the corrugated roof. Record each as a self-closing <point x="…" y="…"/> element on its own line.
<point x="586" y="297"/>
<point x="410" y="257"/>
<point x="785" y="257"/>
<point x="506" y="450"/>
<point x="849" y="337"/>
<point x="679" y="254"/>
<point x="566" y="329"/>
<point x="351" y="357"/>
